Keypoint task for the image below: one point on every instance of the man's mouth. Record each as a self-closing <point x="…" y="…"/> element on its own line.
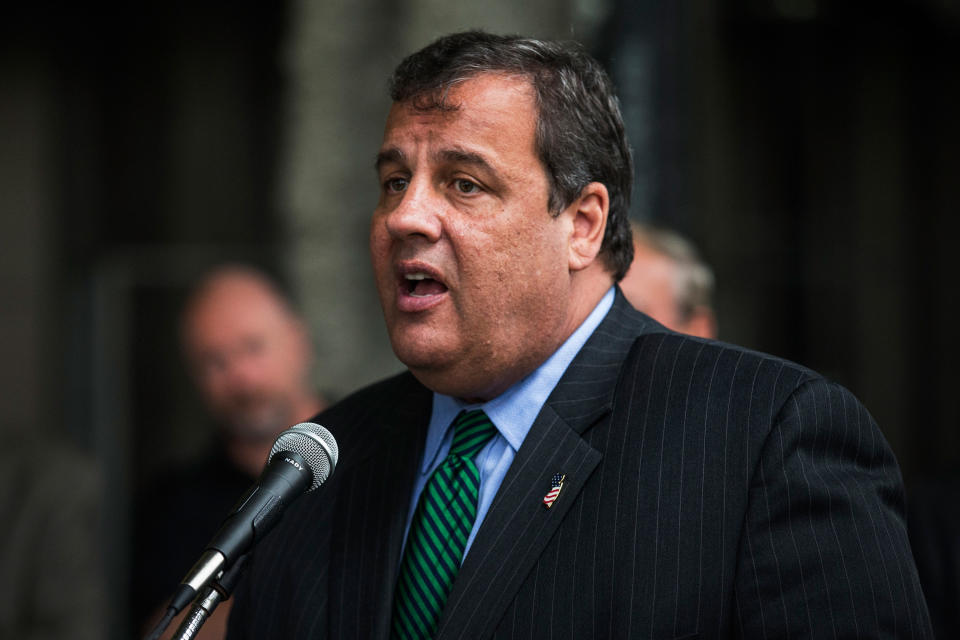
<point x="421" y="285"/>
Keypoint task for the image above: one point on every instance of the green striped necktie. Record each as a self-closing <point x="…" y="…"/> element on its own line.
<point x="439" y="531"/>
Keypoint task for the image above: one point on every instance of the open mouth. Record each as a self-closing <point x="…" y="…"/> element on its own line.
<point x="421" y="285"/>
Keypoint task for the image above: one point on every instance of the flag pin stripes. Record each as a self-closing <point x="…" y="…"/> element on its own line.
<point x="556" y="483"/>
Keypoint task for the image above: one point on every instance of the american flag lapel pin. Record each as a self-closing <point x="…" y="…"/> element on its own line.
<point x="556" y="483"/>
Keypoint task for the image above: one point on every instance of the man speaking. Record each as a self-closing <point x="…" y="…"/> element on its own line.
<point x="555" y="464"/>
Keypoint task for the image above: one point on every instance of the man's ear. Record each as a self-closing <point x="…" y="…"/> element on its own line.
<point x="589" y="213"/>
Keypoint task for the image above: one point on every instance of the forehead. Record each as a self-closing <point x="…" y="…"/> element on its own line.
<point x="231" y="306"/>
<point x="487" y="109"/>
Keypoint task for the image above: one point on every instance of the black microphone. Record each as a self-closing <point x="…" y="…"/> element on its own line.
<point x="302" y="459"/>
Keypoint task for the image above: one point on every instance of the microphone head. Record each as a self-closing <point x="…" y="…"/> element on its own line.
<point x="317" y="446"/>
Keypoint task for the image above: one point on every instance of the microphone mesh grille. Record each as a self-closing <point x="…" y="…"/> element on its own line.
<point x="313" y="442"/>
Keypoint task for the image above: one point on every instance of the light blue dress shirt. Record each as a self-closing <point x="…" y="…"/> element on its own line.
<point x="512" y="413"/>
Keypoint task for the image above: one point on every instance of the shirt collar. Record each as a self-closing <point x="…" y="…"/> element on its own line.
<point x="514" y="411"/>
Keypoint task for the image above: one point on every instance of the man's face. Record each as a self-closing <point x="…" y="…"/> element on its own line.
<point x="471" y="268"/>
<point x="248" y="356"/>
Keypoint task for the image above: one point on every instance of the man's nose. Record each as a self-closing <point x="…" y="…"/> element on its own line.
<point x="418" y="212"/>
<point x="243" y="371"/>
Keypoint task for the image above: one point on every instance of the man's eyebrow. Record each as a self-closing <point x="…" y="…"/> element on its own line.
<point x="446" y="156"/>
<point x="462" y="156"/>
<point x="388" y="155"/>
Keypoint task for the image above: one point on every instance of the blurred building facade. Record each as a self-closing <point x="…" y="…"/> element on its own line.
<point x="807" y="146"/>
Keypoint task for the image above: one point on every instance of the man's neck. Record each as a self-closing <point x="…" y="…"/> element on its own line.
<point x="590" y="285"/>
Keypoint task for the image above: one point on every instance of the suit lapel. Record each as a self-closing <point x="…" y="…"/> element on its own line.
<point x="371" y="516"/>
<point x="518" y="525"/>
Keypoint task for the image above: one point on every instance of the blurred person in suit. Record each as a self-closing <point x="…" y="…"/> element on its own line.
<point x="670" y="282"/>
<point x="51" y="561"/>
<point x="555" y="463"/>
<point x="250" y="355"/>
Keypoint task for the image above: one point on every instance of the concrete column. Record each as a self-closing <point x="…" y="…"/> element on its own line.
<point x="27" y="246"/>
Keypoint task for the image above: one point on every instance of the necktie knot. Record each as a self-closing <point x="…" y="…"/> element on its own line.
<point x="471" y="431"/>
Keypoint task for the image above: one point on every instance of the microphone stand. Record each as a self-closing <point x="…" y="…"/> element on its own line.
<point x="303" y="451"/>
<point x="218" y="591"/>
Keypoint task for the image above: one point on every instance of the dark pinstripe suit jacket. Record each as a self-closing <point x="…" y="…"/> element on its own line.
<point x="710" y="492"/>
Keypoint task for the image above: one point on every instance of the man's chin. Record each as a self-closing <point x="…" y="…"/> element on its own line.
<point x="441" y="368"/>
<point x="420" y="360"/>
<point x="458" y="382"/>
<point x="466" y="388"/>
<point x="255" y="426"/>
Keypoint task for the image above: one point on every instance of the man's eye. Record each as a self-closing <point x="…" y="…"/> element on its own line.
<point x="466" y="186"/>
<point x="395" y="185"/>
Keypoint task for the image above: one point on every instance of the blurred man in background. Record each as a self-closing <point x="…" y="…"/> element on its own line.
<point x="250" y="356"/>
<point x="669" y="282"/>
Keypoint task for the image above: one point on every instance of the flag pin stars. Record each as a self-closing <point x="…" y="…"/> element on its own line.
<point x="556" y="483"/>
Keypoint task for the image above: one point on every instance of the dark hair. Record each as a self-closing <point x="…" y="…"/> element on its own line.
<point x="579" y="137"/>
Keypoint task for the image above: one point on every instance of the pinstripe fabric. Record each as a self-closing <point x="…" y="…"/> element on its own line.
<point x="710" y="492"/>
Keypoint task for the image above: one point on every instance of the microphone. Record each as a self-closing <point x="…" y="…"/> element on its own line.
<point x="302" y="458"/>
